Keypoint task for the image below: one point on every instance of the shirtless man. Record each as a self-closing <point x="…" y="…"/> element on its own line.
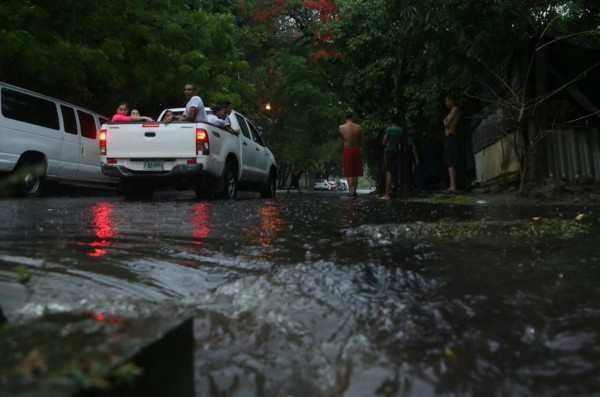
<point x="352" y="134"/>
<point x="450" y="148"/>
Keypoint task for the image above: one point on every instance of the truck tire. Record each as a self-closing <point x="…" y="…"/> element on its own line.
<point x="229" y="182"/>
<point x="270" y="188"/>
<point x="31" y="177"/>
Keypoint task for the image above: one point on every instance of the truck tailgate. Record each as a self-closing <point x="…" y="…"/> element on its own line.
<point x="151" y="141"/>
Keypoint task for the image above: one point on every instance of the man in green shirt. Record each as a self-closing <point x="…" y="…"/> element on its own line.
<point x="392" y="140"/>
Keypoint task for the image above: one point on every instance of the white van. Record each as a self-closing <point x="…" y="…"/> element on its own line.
<point x="43" y="139"/>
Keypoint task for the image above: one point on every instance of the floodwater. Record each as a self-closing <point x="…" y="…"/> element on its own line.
<point x="288" y="303"/>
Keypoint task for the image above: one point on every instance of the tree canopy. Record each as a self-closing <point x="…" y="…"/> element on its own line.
<point x="311" y="60"/>
<point x="102" y="52"/>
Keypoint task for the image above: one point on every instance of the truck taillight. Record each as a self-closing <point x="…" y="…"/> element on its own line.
<point x="102" y="141"/>
<point x="202" y="145"/>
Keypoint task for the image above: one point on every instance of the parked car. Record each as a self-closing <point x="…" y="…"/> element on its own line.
<point x="321" y="184"/>
<point x="343" y="185"/>
<point x="332" y="185"/>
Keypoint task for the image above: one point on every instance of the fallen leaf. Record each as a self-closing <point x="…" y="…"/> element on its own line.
<point x="35" y="363"/>
<point x="579" y="217"/>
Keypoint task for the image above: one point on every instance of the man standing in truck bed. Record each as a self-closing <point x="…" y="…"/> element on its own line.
<point x="194" y="110"/>
<point x="352" y="134"/>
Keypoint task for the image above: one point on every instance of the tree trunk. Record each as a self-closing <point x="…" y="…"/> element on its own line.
<point x="405" y="172"/>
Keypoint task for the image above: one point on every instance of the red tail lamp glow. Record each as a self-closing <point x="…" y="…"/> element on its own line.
<point x="102" y="142"/>
<point x="202" y="144"/>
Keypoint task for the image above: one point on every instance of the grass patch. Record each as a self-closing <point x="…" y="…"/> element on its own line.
<point x="551" y="227"/>
<point x="456" y="199"/>
<point x="460" y="230"/>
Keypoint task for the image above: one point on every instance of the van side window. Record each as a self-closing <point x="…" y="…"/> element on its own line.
<point x="255" y="135"/>
<point x="243" y="126"/>
<point x="29" y="109"/>
<point x="88" y="125"/>
<point x="68" y="115"/>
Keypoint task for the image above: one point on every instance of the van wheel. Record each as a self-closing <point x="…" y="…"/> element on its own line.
<point x="270" y="188"/>
<point x="229" y="182"/>
<point x="31" y="179"/>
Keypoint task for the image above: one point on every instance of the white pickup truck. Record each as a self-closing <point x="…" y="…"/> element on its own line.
<point x="187" y="155"/>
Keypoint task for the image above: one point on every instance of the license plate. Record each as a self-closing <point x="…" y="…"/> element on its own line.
<point x="154" y="166"/>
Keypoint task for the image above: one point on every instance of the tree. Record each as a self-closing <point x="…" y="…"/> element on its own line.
<point x="445" y="47"/>
<point x="293" y="68"/>
<point x="100" y="52"/>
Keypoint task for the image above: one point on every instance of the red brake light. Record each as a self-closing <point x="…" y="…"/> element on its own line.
<point x="150" y="125"/>
<point x="102" y="142"/>
<point x="202" y="145"/>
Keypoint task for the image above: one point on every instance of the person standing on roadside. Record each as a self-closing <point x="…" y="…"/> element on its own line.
<point x="450" y="144"/>
<point x="194" y="110"/>
<point x="352" y="135"/>
<point x="392" y="140"/>
<point x="295" y="183"/>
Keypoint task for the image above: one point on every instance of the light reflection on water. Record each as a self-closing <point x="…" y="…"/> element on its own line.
<point x="104" y="228"/>
<point x="287" y="305"/>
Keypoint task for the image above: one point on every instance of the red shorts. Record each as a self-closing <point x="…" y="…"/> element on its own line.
<point x="353" y="165"/>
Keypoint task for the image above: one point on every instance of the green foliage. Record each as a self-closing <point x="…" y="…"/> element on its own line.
<point x="23" y="273"/>
<point x="100" y="53"/>
<point x="312" y="60"/>
<point x="302" y="89"/>
<point x="453" y="199"/>
<point x="443" y="47"/>
<point x="551" y="228"/>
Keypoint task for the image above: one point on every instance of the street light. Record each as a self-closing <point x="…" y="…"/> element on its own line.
<point x="267" y="106"/>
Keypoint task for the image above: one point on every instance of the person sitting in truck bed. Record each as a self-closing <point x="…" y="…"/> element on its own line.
<point x="218" y="118"/>
<point x="121" y="115"/>
<point x="228" y="109"/>
<point x="168" y="117"/>
<point x="194" y="109"/>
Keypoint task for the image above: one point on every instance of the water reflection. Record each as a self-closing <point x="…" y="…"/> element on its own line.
<point x="327" y="315"/>
<point x="271" y="224"/>
<point x="200" y="220"/>
<point x="103" y="226"/>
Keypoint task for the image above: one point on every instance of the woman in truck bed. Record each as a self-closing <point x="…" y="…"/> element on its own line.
<point x="121" y="115"/>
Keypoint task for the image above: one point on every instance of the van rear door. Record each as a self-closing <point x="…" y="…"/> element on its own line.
<point x="69" y="157"/>
<point x="89" y="154"/>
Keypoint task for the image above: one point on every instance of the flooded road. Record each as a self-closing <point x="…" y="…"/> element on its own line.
<point x="288" y="301"/>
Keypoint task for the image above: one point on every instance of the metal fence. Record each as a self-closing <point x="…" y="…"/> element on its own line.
<point x="574" y="154"/>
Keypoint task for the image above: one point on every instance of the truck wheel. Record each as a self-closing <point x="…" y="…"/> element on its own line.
<point x="229" y="182"/>
<point x="31" y="179"/>
<point x="270" y="188"/>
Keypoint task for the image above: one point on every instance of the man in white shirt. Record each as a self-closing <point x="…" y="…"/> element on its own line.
<point x="194" y="110"/>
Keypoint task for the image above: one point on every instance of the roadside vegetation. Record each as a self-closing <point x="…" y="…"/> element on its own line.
<point x="293" y="66"/>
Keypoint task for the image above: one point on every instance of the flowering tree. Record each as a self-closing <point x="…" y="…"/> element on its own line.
<point x="294" y="66"/>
